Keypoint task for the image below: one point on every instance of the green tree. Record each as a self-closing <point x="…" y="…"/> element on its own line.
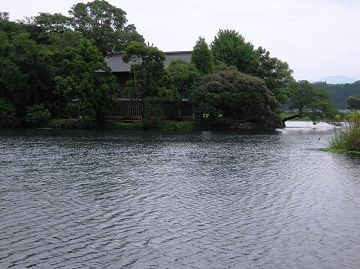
<point x="24" y="76"/>
<point x="233" y="95"/>
<point x="276" y="74"/>
<point x="202" y="57"/>
<point x="52" y="23"/>
<point x="84" y="80"/>
<point x="147" y="68"/>
<point x="183" y="76"/>
<point x="231" y="48"/>
<point x="105" y="24"/>
<point x="309" y="100"/>
<point x="353" y="102"/>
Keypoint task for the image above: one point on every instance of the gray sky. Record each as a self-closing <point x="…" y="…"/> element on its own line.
<point x="318" y="38"/>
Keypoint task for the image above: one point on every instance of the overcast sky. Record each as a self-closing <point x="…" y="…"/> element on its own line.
<point x="318" y="38"/>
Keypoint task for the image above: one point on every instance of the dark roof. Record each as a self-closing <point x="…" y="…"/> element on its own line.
<point x="116" y="63"/>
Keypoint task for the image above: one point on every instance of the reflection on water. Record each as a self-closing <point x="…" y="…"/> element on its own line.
<point x="203" y="200"/>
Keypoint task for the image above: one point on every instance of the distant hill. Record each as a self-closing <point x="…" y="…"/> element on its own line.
<point x="340" y="92"/>
<point x="338" y="80"/>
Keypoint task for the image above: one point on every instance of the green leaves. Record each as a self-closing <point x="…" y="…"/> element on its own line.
<point x="307" y="98"/>
<point x="147" y="68"/>
<point x="84" y="81"/>
<point x="202" y="57"/>
<point x="353" y="102"/>
<point x="232" y="49"/>
<point x="232" y="94"/>
<point x="276" y="73"/>
<point x="183" y="76"/>
<point x="105" y="24"/>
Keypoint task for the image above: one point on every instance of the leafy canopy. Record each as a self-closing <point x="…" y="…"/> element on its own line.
<point x="231" y="48"/>
<point x="147" y="68"/>
<point x="202" y="57"/>
<point x="307" y="99"/>
<point x="84" y="79"/>
<point x="276" y="74"/>
<point x="105" y="24"/>
<point x="183" y="76"/>
<point x="232" y="94"/>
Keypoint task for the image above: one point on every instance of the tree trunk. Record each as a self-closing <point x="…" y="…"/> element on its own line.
<point x="292" y="117"/>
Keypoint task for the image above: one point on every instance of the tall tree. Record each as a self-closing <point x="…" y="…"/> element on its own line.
<point x="147" y="68"/>
<point x="308" y="100"/>
<point x="105" y="24"/>
<point x="231" y="48"/>
<point x="202" y="57"/>
<point x="276" y="74"/>
<point x="84" y="79"/>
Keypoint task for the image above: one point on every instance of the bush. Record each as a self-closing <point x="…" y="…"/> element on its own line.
<point x="349" y="138"/>
<point x="238" y="97"/>
<point x="37" y="116"/>
<point x="7" y="114"/>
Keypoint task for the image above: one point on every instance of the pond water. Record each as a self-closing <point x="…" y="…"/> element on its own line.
<point x="202" y="200"/>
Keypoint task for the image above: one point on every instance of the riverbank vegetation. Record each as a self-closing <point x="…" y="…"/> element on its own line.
<point x="348" y="138"/>
<point x="53" y="73"/>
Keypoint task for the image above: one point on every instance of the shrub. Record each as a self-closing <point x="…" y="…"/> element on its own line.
<point x="37" y="116"/>
<point x="7" y="114"/>
<point x="349" y="138"/>
<point x="237" y="97"/>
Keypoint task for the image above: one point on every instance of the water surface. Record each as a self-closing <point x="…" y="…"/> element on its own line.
<point x="202" y="200"/>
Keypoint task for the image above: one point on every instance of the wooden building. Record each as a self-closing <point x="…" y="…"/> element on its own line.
<point x="131" y="109"/>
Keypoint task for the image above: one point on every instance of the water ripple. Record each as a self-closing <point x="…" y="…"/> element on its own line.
<point x="206" y="200"/>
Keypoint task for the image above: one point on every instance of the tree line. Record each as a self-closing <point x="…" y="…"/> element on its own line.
<point x="52" y="66"/>
<point x="343" y="95"/>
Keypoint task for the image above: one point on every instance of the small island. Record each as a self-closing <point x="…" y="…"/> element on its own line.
<point x="66" y="72"/>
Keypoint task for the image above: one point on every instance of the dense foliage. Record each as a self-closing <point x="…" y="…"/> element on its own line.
<point x="184" y="77"/>
<point x="52" y="66"/>
<point x="230" y="94"/>
<point x="308" y="100"/>
<point x="84" y="79"/>
<point x="147" y="66"/>
<point x="231" y="48"/>
<point x="339" y="93"/>
<point x="106" y="24"/>
<point x="37" y="116"/>
<point x="348" y="139"/>
<point x="353" y="102"/>
<point x="202" y="57"/>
